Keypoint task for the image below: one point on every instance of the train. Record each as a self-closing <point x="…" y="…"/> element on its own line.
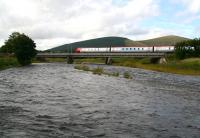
<point x="126" y="49"/>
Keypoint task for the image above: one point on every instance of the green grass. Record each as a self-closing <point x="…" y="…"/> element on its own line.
<point x="8" y="62"/>
<point x="185" y="67"/>
<point x="89" y="60"/>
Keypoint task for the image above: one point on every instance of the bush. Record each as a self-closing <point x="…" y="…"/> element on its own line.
<point x="187" y="49"/>
<point x="127" y="75"/>
<point x="82" y="67"/>
<point x="116" y="74"/>
<point x="98" y="71"/>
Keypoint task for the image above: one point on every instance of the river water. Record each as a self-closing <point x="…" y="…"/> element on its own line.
<point x="57" y="101"/>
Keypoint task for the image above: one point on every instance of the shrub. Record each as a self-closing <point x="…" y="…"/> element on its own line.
<point x="82" y="67"/>
<point x="127" y="75"/>
<point x="116" y="74"/>
<point x="98" y="71"/>
<point x="187" y="49"/>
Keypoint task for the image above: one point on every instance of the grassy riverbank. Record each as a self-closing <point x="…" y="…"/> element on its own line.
<point x="8" y="62"/>
<point x="185" y="67"/>
<point x="189" y="66"/>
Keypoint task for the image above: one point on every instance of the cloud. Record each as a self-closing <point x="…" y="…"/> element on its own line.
<point x="53" y="22"/>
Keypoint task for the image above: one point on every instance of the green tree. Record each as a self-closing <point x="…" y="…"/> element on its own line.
<point x="22" y="46"/>
<point x="186" y="49"/>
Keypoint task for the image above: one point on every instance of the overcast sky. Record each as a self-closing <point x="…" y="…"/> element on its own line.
<point x="54" y="22"/>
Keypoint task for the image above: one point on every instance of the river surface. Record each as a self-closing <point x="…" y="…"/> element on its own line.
<point x="57" y="101"/>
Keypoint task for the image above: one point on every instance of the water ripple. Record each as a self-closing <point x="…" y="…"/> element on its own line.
<point x="55" y="100"/>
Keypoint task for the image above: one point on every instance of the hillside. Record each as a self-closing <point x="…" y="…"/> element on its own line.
<point x="165" y="40"/>
<point x="99" y="42"/>
<point x="117" y="41"/>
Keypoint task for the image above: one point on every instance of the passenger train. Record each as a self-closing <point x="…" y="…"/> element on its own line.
<point x="127" y="49"/>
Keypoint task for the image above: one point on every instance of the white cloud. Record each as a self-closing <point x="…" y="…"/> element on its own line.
<point x="54" y="22"/>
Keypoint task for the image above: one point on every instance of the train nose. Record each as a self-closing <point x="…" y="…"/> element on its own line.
<point x="77" y="50"/>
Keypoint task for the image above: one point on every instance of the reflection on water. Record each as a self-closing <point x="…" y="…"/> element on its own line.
<point x="55" y="100"/>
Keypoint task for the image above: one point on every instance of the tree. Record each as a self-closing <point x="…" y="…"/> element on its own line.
<point x="189" y="48"/>
<point x="22" y="46"/>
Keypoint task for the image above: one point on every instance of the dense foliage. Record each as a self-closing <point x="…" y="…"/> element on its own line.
<point x="187" y="49"/>
<point x="22" y="46"/>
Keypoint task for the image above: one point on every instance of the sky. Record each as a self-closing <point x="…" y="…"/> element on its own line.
<point x="52" y="23"/>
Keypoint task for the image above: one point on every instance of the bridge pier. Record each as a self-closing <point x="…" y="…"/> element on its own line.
<point x="70" y="60"/>
<point x="108" y="61"/>
<point x="162" y="60"/>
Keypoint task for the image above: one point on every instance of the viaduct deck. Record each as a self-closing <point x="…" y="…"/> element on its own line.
<point x="65" y="55"/>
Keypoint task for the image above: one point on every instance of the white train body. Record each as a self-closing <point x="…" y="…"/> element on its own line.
<point x="163" y="48"/>
<point x="128" y="49"/>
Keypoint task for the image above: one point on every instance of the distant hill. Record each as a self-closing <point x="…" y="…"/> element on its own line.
<point x="98" y="42"/>
<point x="117" y="42"/>
<point x="165" y="40"/>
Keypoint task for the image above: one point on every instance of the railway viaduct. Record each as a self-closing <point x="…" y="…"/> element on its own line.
<point x="70" y="56"/>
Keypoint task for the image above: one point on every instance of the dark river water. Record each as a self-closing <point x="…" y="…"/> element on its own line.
<point x="57" y="101"/>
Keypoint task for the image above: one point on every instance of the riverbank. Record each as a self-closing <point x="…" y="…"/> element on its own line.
<point x="190" y="66"/>
<point x="8" y="62"/>
<point x="185" y="67"/>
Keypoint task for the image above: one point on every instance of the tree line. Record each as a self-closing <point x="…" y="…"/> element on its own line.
<point x="187" y="49"/>
<point x="22" y="46"/>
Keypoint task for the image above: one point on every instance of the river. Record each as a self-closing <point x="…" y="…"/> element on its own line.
<point x="57" y="101"/>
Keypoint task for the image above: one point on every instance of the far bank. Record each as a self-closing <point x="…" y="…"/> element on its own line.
<point x="189" y="66"/>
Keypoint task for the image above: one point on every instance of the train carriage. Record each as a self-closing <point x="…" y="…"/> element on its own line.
<point x="127" y="49"/>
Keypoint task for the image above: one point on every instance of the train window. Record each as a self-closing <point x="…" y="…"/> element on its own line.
<point x="142" y="48"/>
<point x="126" y="48"/>
<point x="122" y="48"/>
<point x="130" y="48"/>
<point x="134" y="48"/>
<point x="138" y="48"/>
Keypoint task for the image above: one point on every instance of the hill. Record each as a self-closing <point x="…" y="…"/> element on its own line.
<point x="117" y="42"/>
<point x="98" y="42"/>
<point x="165" y="40"/>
